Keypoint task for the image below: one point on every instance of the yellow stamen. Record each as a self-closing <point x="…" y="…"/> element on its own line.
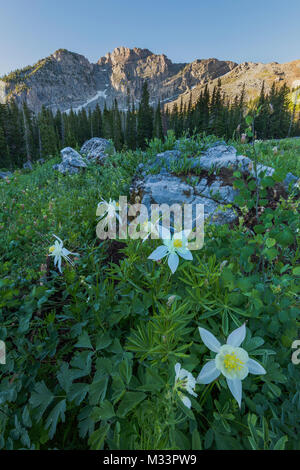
<point x="51" y="249"/>
<point x="232" y="362"/>
<point x="177" y="243"/>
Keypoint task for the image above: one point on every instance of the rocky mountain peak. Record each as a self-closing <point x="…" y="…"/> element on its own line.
<point x="123" y="55"/>
<point x="66" y="80"/>
<point x="65" y="56"/>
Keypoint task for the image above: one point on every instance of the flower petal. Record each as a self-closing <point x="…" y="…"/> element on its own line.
<point x="185" y="254"/>
<point x="255" y="368"/>
<point x="59" y="266"/>
<point x="159" y="253"/>
<point x="237" y="336"/>
<point x="173" y="262"/>
<point x="60" y="241"/>
<point x="186" y="401"/>
<point x="235" y="386"/>
<point x="177" y="370"/>
<point x="208" y="373"/>
<point x="209" y="340"/>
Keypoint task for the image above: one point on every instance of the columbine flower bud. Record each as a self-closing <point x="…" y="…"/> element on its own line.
<point x="223" y="264"/>
<point x="171" y="300"/>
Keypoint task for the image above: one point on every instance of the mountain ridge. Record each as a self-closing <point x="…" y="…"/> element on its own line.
<point x="67" y="80"/>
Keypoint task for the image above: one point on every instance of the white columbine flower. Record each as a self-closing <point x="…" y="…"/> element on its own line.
<point x="111" y="209"/>
<point x="58" y="252"/>
<point x="184" y="380"/>
<point x="231" y="361"/>
<point x="172" y="247"/>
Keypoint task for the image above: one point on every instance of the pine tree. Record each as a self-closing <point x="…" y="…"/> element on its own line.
<point x="108" y="131"/>
<point x="97" y="122"/>
<point x="118" y="136"/>
<point x="15" y="135"/>
<point x="48" y="135"/>
<point x="131" y="130"/>
<point x="157" y="128"/>
<point x="145" y="119"/>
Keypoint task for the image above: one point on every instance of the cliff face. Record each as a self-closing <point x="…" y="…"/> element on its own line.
<point x="59" y="81"/>
<point x="252" y="76"/>
<point x="67" y="80"/>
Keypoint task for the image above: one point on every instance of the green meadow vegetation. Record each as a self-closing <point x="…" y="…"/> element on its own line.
<point x="91" y="351"/>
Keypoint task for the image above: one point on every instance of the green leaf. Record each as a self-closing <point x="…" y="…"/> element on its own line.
<point x="104" y="412"/>
<point x="86" y="424"/>
<point x="280" y="444"/>
<point x="209" y="439"/>
<point x="285" y="237"/>
<point x="279" y="175"/>
<point x="41" y="398"/>
<point x="78" y="392"/>
<point x="26" y="417"/>
<point x="52" y="420"/>
<point x="84" y="341"/>
<point x="259" y="228"/>
<point x="65" y="377"/>
<point x="270" y="242"/>
<point x="97" y="439"/>
<point x="125" y="369"/>
<point x="103" y="341"/>
<point x="129" y="402"/>
<point x="274" y="389"/>
<point x="249" y="120"/>
<point x="296" y="271"/>
<point x="270" y="253"/>
<point x="82" y="363"/>
<point x="267" y="181"/>
<point x="196" y="440"/>
<point x="97" y="390"/>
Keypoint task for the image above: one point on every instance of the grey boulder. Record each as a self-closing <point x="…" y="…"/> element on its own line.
<point x="28" y="165"/>
<point x="212" y="188"/>
<point x="290" y="179"/>
<point x="169" y="189"/>
<point x="167" y="160"/>
<point x="5" y="174"/>
<point x="72" y="162"/>
<point x="97" y="149"/>
<point x="222" y="156"/>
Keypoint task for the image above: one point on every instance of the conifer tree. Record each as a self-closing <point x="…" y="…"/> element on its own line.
<point x="118" y="136"/>
<point x="131" y="130"/>
<point x="47" y="132"/>
<point x="158" y="129"/>
<point x="145" y="119"/>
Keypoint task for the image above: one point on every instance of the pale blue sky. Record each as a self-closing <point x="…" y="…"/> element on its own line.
<point x="239" y="30"/>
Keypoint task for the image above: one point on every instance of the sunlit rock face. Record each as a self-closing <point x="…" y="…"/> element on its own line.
<point x="66" y="80"/>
